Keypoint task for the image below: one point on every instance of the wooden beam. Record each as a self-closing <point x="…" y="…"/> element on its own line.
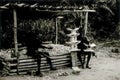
<point x="65" y="11"/>
<point x="21" y="5"/>
<point x="3" y="7"/>
<point x="86" y="24"/>
<point x="56" y="31"/>
<point x="15" y="37"/>
<point x="0" y="31"/>
<point x="81" y="20"/>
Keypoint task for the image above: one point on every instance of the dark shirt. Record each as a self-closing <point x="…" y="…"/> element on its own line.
<point x="33" y="43"/>
<point x="84" y="44"/>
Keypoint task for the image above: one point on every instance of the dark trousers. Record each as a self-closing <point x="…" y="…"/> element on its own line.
<point x="39" y="55"/>
<point x="82" y="57"/>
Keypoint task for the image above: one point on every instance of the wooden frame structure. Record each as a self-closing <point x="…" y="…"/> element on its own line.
<point x="56" y="9"/>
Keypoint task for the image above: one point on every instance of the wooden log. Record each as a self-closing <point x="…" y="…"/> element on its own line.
<point x="66" y="11"/>
<point x="56" y="31"/>
<point x="43" y="68"/>
<point x="86" y="24"/>
<point x="15" y="37"/>
<point x="35" y="63"/>
<point x="26" y="64"/>
<point x="13" y="72"/>
<point x="52" y="57"/>
<point x="55" y="61"/>
<point x="32" y="61"/>
<point x="60" y="60"/>
<point x="20" y="73"/>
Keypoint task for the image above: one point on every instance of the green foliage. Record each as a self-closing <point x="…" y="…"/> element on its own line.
<point x="104" y="20"/>
<point x="45" y="28"/>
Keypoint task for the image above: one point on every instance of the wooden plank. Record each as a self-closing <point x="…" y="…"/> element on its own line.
<point x="26" y="64"/>
<point x="23" y="64"/>
<point x="35" y="65"/>
<point x="14" y="64"/>
<point x="28" y="60"/>
<point x="35" y="62"/>
<point x="15" y="36"/>
<point x="86" y="24"/>
<point x="35" y="68"/>
<point x="56" y="31"/>
<point x="14" y="73"/>
<point x="66" y="11"/>
<point x="55" y="61"/>
<point x="53" y="57"/>
<point x="60" y="60"/>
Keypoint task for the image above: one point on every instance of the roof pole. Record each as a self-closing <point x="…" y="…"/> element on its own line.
<point x="81" y="22"/>
<point x="15" y="37"/>
<point x="56" y="31"/>
<point x="0" y="32"/>
<point x="86" y="23"/>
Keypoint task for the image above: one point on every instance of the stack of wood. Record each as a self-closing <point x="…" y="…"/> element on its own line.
<point x="59" y="54"/>
<point x="29" y="64"/>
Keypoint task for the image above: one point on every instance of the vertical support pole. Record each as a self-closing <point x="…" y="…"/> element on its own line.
<point x="15" y="37"/>
<point x="86" y="23"/>
<point x="81" y="25"/>
<point x="74" y="58"/>
<point x="0" y="32"/>
<point x="81" y="22"/>
<point x="56" y="31"/>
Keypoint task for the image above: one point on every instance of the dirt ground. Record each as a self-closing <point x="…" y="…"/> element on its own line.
<point x="105" y="67"/>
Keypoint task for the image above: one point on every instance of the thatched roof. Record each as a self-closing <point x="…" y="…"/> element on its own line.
<point x="44" y="0"/>
<point x="48" y="1"/>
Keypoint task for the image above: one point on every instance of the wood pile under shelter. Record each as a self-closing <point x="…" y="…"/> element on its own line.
<point x="30" y="65"/>
<point x="60" y="58"/>
<point x="22" y="65"/>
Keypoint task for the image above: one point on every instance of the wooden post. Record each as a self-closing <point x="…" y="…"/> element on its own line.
<point x="0" y="32"/>
<point x="56" y="31"/>
<point x="86" y="23"/>
<point x="81" y="25"/>
<point x="81" y="22"/>
<point x="15" y="37"/>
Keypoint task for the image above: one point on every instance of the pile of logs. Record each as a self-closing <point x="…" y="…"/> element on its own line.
<point x="30" y="64"/>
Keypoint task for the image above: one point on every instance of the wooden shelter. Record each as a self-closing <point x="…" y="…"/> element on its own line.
<point x="10" y="4"/>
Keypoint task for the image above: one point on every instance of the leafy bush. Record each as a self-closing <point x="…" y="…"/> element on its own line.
<point x="45" y="28"/>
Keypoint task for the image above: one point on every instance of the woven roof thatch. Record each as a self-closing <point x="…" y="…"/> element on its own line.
<point x="49" y="1"/>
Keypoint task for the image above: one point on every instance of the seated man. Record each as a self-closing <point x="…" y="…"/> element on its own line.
<point x="33" y="43"/>
<point x="84" y="46"/>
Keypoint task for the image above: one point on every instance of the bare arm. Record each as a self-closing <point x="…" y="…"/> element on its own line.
<point x="41" y="46"/>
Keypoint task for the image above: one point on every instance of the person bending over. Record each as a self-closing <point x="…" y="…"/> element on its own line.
<point x="33" y="42"/>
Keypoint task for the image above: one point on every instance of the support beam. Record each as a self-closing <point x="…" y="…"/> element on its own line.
<point x="0" y="31"/>
<point x="86" y="24"/>
<point x="56" y="31"/>
<point x="81" y="20"/>
<point x="65" y="11"/>
<point x="15" y="37"/>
